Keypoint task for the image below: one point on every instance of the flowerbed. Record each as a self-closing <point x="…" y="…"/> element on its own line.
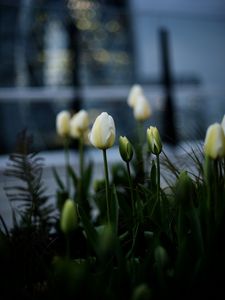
<point x="147" y="241"/>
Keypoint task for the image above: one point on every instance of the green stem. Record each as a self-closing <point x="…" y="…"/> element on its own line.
<point x="106" y="183"/>
<point x="158" y="185"/>
<point x="132" y="201"/>
<point x="140" y="130"/>
<point x="216" y="190"/>
<point x="67" y="246"/>
<point x="209" y="181"/>
<point x="131" y="188"/>
<point x="81" y="153"/>
<point x="81" y="157"/>
<point x="224" y="168"/>
<point x="139" y="152"/>
<point x="67" y="160"/>
<point x="223" y="172"/>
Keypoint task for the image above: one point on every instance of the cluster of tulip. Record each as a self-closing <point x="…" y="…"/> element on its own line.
<point x="78" y="125"/>
<point x="103" y="134"/>
<point x="148" y="240"/>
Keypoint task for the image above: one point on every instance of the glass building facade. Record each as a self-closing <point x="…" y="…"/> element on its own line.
<point x="57" y="54"/>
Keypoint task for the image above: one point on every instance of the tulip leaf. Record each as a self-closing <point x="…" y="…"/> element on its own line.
<point x="88" y="175"/>
<point x="196" y="230"/>
<point x="92" y="235"/>
<point x="124" y="206"/>
<point x="58" y="180"/>
<point x="153" y="176"/>
<point x="114" y="215"/>
<point x="62" y="196"/>
<point x="73" y="176"/>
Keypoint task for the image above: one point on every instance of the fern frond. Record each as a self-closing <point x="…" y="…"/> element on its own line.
<point x="27" y="189"/>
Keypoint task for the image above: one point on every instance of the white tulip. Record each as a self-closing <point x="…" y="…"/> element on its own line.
<point x="142" y="110"/>
<point x="135" y="91"/>
<point x="154" y="140"/>
<point x="103" y="132"/>
<point x="214" y="146"/>
<point x="79" y="124"/>
<point x="223" y="124"/>
<point x="63" y="123"/>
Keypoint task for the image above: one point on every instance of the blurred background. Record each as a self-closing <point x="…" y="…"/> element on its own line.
<point x="57" y="54"/>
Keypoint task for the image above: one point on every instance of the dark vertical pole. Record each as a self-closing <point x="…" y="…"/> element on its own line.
<point x="74" y="37"/>
<point x="131" y="21"/>
<point x="74" y="46"/>
<point x="169" y="131"/>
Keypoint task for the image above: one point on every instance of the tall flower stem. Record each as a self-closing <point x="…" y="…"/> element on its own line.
<point x="158" y="185"/>
<point x="67" y="160"/>
<point x="81" y="154"/>
<point x="67" y="246"/>
<point x="131" y="188"/>
<point x="106" y="183"/>
<point x="216" y="189"/>
<point x="140" y="130"/>
<point x="224" y="168"/>
<point x="223" y="171"/>
<point x="208" y="210"/>
<point x="81" y="158"/>
<point x="132" y="201"/>
<point x="139" y="151"/>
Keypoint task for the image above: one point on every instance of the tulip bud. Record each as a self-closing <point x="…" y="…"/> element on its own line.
<point x="98" y="185"/>
<point x="63" y="123"/>
<point x="214" y="146"/>
<point x="106" y="240"/>
<point x="69" y="218"/>
<point x="154" y="140"/>
<point x="125" y="148"/>
<point x="103" y="132"/>
<point x="141" y="292"/>
<point x="135" y="91"/>
<point x="223" y="124"/>
<point x="79" y="124"/>
<point x="142" y="110"/>
<point x="161" y="256"/>
<point x="185" y="190"/>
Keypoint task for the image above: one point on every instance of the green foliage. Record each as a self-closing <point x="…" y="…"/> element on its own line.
<point x="25" y="171"/>
<point x="162" y="241"/>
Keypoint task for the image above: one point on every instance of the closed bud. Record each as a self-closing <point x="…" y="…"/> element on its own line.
<point x="106" y="240"/>
<point x="79" y="124"/>
<point x="99" y="185"/>
<point x="185" y="190"/>
<point x="142" y="110"/>
<point x="214" y="146"/>
<point x="103" y="132"/>
<point x="154" y="140"/>
<point x="161" y="257"/>
<point x="125" y="148"/>
<point x="141" y="292"/>
<point x="69" y="218"/>
<point x="63" y="123"/>
<point x="135" y="91"/>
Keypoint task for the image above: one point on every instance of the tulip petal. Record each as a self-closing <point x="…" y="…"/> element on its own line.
<point x="214" y="146"/>
<point x="103" y="131"/>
